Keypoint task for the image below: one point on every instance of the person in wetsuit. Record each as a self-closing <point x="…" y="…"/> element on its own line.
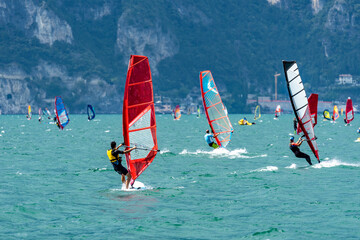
<point x="56" y="121"/>
<point x="115" y="160"/>
<point x="294" y="147"/>
<point x="295" y="124"/>
<point x="209" y="138"/>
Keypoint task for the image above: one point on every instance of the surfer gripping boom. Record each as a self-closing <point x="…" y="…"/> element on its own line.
<point x="294" y="146"/>
<point x="115" y="160"/>
<point x="209" y="138"/>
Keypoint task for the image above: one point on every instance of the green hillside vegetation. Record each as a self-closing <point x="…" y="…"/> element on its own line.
<point x="241" y="42"/>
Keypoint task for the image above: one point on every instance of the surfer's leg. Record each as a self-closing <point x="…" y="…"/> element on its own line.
<point x="304" y="155"/>
<point x="214" y="145"/>
<point x="128" y="180"/>
<point x="122" y="178"/>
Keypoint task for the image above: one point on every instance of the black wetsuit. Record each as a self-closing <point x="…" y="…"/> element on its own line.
<point x="295" y="125"/>
<point x="299" y="154"/>
<point x="117" y="164"/>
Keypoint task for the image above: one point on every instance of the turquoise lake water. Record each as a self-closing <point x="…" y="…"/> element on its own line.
<point x="60" y="184"/>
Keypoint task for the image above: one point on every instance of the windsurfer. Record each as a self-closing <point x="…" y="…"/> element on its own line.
<point x="56" y="121"/>
<point x="358" y="130"/>
<point x="209" y="138"/>
<point x="39" y="119"/>
<point x="294" y="147"/>
<point x="295" y="124"/>
<point x="115" y="160"/>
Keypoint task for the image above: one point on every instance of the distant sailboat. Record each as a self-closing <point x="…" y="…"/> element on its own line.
<point x="61" y="113"/>
<point x="47" y="113"/>
<point x="326" y="115"/>
<point x="40" y="114"/>
<point x="349" y="111"/>
<point x="257" y="113"/>
<point x="28" y="116"/>
<point x="90" y="112"/>
<point x="277" y="111"/>
<point x="335" y="113"/>
<point x="198" y="112"/>
<point x="177" y="113"/>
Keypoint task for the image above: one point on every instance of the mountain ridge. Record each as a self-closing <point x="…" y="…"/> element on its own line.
<point x="80" y="49"/>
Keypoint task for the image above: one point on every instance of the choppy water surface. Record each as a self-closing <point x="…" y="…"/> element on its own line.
<point x="60" y="184"/>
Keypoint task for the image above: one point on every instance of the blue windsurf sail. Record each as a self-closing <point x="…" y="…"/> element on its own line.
<point x="215" y="110"/>
<point x="61" y="113"/>
<point x="90" y="112"/>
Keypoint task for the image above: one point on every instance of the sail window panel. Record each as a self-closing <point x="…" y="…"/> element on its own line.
<point x="212" y="100"/>
<point x="142" y="139"/>
<point x="295" y="87"/>
<point x="292" y="76"/>
<point x="208" y="81"/>
<point x="142" y="122"/>
<point x="135" y="111"/>
<point x="216" y="112"/>
<point x="62" y="117"/>
<point x="299" y="103"/>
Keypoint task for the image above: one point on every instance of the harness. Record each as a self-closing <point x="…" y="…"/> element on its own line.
<point x="294" y="148"/>
<point x="111" y="157"/>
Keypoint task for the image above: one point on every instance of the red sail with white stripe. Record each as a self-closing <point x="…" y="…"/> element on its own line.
<point x="349" y="111"/>
<point x="313" y="106"/>
<point x="300" y="104"/>
<point x="139" y="123"/>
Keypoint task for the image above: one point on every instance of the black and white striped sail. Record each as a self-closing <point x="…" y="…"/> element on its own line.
<point x="300" y="103"/>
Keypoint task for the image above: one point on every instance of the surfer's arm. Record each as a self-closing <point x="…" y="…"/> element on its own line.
<point x="119" y="146"/>
<point x="129" y="150"/>
<point x="299" y="142"/>
<point x="216" y="134"/>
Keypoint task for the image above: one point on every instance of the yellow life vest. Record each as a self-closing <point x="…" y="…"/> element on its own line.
<point x="111" y="157"/>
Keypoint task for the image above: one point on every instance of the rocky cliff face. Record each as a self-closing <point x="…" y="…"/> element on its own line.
<point x="134" y="36"/>
<point x="35" y="20"/>
<point x="80" y="49"/>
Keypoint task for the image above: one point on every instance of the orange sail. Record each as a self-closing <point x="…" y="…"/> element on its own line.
<point x="335" y="113"/>
<point x="177" y="113"/>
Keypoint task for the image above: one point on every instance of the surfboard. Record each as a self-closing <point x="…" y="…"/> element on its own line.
<point x="137" y="186"/>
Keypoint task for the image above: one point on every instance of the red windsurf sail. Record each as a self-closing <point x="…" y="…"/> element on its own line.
<point x="313" y="106"/>
<point x="139" y="123"/>
<point x="349" y="111"/>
